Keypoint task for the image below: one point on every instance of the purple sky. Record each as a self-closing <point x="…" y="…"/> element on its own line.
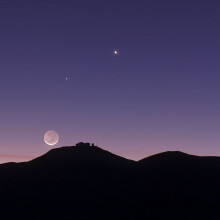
<point x="161" y="92"/>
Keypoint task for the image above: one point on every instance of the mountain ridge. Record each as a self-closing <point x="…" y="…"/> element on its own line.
<point x="86" y="152"/>
<point x="82" y="182"/>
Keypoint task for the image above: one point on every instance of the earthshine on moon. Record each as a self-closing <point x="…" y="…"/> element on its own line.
<point x="51" y="137"/>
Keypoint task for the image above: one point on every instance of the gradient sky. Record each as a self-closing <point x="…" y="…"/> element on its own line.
<point x="161" y="92"/>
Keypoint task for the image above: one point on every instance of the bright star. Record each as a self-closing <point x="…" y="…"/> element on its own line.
<point x="115" y="52"/>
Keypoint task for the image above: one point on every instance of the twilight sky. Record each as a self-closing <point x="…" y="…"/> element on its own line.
<point x="161" y="92"/>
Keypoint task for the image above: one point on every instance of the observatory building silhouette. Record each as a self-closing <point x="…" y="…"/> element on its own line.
<point x="82" y="144"/>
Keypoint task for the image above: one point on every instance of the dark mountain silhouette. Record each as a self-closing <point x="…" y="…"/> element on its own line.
<point x="83" y="182"/>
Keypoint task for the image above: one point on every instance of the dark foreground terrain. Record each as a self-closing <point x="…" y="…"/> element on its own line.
<point x="82" y="182"/>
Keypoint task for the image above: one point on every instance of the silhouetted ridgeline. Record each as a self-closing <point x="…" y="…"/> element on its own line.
<point x="83" y="182"/>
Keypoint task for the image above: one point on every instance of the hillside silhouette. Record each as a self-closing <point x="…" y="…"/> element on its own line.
<point x="87" y="182"/>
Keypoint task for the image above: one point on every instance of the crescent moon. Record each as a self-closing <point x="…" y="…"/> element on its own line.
<point x="51" y="137"/>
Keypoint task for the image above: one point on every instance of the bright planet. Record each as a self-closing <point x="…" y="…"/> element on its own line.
<point x="51" y="137"/>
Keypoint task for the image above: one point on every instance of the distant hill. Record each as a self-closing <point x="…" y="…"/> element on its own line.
<point x="84" y="182"/>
